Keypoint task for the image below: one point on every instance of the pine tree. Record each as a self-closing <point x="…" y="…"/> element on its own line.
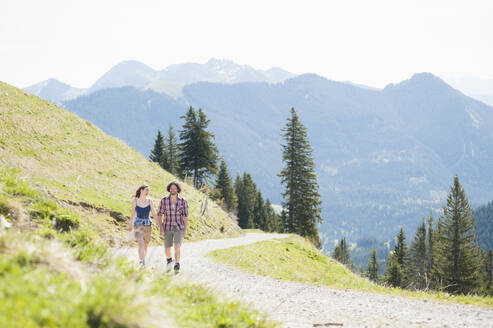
<point x="172" y="163"/>
<point x="341" y="252"/>
<point x="260" y="213"/>
<point x="398" y="263"/>
<point x="400" y="249"/>
<point x="224" y="185"/>
<point x="373" y="266"/>
<point x="336" y="254"/>
<point x="274" y="223"/>
<point x="393" y="273"/>
<point x="418" y="258"/>
<point x="301" y="197"/>
<point x="238" y="183"/>
<point x="198" y="153"/>
<point x="362" y="272"/>
<point x="284" y="221"/>
<point x="430" y="250"/>
<point x="158" y="153"/>
<point x="459" y="262"/>
<point x="488" y="264"/>
<point x="247" y="193"/>
<point x="438" y="236"/>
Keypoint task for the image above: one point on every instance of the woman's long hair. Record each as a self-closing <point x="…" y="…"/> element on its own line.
<point x="139" y="190"/>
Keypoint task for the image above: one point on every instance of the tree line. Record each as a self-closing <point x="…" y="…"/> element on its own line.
<point x="194" y="156"/>
<point x="443" y="255"/>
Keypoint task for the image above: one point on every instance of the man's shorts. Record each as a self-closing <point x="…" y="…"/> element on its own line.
<point x="171" y="236"/>
<point x="143" y="233"/>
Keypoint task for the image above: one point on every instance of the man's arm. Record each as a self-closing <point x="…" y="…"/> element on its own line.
<point x="185" y="221"/>
<point x="185" y="218"/>
<point x="160" y="218"/>
<point x="160" y="223"/>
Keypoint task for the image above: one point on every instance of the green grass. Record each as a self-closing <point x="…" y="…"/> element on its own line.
<point x="56" y="277"/>
<point x="34" y="294"/>
<point x="295" y="259"/>
<point x="198" y="307"/>
<point x="75" y="161"/>
<point x="43" y="286"/>
<point x="49" y="219"/>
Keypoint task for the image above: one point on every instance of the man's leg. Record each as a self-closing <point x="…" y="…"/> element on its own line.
<point x="168" y="242"/>
<point x="178" y="234"/>
<point x="177" y="252"/>
<point x="167" y="251"/>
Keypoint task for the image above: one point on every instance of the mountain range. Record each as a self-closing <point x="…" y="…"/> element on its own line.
<point x="169" y="80"/>
<point x="55" y="91"/>
<point x="481" y="89"/>
<point x="385" y="157"/>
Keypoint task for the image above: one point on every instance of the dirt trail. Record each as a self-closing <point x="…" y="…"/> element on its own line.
<point x="305" y="305"/>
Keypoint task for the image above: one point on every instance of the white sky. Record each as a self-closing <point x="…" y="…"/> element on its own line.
<point x="369" y="42"/>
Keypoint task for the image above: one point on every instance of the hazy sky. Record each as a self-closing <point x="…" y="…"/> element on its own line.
<point x="369" y="42"/>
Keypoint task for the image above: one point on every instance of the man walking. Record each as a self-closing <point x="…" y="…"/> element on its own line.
<point x="173" y="227"/>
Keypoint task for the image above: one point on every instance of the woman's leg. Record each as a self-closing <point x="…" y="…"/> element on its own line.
<point x="142" y="249"/>
<point x="147" y="239"/>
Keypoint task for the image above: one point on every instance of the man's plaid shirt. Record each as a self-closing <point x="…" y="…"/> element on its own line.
<point x="173" y="215"/>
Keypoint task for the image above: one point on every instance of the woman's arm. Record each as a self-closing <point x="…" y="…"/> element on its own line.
<point x="132" y="216"/>
<point x="154" y="215"/>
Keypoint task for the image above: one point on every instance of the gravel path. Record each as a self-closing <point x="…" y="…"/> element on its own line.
<point x="304" y="305"/>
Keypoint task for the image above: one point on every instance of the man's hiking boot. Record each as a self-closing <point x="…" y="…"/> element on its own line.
<point x="177" y="267"/>
<point x="169" y="264"/>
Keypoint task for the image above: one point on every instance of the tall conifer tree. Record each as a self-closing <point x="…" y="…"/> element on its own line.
<point x="172" y="163"/>
<point x="301" y="197"/>
<point x="284" y="220"/>
<point x="438" y="236"/>
<point x="260" y="213"/>
<point x="430" y="249"/>
<point x="418" y="258"/>
<point x="458" y="263"/>
<point x="393" y="272"/>
<point x="341" y="252"/>
<point x="247" y="193"/>
<point x="158" y="153"/>
<point x="198" y="153"/>
<point x="225" y="187"/>
<point x="397" y="268"/>
<point x="373" y="266"/>
<point x="400" y="250"/>
<point x="488" y="264"/>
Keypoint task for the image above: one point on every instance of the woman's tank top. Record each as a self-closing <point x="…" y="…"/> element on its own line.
<point x="143" y="212"/>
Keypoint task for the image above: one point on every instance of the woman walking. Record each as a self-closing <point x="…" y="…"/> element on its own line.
<point x="140" y="221"/>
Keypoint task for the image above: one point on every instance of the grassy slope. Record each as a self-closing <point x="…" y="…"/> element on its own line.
<point x="56" y="271"/>
<point x="66" y="188"/>
<point x="75" y="161"/>
<point x="296" y="259"/>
